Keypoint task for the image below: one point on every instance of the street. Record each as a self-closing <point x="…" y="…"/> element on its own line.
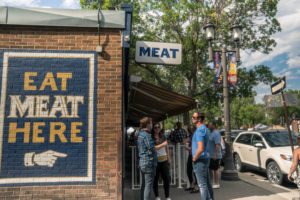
<point x="259" y="179"/>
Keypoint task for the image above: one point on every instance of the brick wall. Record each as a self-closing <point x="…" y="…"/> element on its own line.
<point x="109" y="107"/>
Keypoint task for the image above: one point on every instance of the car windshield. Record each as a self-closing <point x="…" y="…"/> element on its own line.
<point x="235" y="133"/>
<point x="278" y="138"/>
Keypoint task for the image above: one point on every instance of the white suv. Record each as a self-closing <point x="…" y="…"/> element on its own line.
<point x="267" y="150"/>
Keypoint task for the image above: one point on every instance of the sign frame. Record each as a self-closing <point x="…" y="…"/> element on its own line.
<point x="158" y="53"/>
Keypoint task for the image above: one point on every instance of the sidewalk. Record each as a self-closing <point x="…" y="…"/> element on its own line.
<point x="248" y="188"/>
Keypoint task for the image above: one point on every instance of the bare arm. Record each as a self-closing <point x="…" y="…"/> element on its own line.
<point x="186" y="140"/>
<point x="157" y="147"/>
<point x="294" y="164"/>
<point x="216" y="151"/>
<point x="188" y="148"/>
<point x="168" y="154"/>
<point x="199" y="151"/>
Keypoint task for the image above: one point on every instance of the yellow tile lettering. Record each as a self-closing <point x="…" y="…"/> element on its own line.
<point x="59" y="132"/>
<point x="13" y="130"/>
<point x="27" y="81"/>
<point x="37" y="131"/>
<point x="75" y="131"/>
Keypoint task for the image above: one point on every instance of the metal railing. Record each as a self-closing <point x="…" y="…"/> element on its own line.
<point x="179" y="156"/>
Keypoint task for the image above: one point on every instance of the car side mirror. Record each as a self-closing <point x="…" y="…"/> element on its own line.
<point x="259" y="145"/>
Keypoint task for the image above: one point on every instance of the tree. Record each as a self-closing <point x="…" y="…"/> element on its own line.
<point x="236" y="105"/>
<point x="277" y="114"/>
<point x="251" y="114"/>
<point x="182" y="21"/>
<point x="105" y="4"/>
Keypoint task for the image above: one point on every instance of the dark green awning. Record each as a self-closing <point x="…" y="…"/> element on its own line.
<point x="155" y="102"/>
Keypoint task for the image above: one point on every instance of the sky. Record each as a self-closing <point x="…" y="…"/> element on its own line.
<point x="284" y="60"/>
<point x="66" y="4"/>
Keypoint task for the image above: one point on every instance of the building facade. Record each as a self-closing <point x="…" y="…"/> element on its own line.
<point x="61" y="106"/>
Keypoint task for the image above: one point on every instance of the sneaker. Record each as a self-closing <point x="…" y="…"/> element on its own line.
<point x="157" y="198"/>
<point x="188" y="189"/>
<point x="168" y="198"/>
<point x="216" y="186"/>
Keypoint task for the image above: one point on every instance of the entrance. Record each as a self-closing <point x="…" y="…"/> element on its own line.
<point x="149" y="100"/>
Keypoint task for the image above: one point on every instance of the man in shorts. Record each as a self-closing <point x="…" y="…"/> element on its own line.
<point x="215" y="153"/>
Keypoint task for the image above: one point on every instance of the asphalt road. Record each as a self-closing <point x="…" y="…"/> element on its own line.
<point x="259" y="179"/>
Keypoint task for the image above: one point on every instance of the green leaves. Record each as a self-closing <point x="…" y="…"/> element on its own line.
<point x="104" y="4"/>
<point x="182" y="21"/>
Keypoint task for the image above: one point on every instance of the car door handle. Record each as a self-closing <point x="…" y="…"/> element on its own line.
<point x="250" y="149"/>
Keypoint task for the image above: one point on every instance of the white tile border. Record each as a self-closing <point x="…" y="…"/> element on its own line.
<point x="89" y="177"/>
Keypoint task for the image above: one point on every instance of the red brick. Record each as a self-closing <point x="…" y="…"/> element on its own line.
<point x="109" y="107"/>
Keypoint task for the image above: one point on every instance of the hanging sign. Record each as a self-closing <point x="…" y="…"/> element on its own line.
<point x="158" y="53"/>
<point x="232" y="73"/>
<point x="218" y="69"/>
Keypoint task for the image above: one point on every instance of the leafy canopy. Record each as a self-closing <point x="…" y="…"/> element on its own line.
<point x="182" y="21"/>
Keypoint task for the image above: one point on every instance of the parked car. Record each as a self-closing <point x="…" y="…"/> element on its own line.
<point x="234" y="133"/>
<point x="266" y="150"/>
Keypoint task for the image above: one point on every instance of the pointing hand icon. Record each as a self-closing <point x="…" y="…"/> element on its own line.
<point x="47" y="158"/>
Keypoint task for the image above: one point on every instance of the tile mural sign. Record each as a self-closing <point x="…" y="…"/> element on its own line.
<point x="47" y="117"/>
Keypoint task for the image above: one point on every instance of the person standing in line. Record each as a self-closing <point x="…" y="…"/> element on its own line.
<point x="215" y="153"/>
<point x="163" y="162"/>
<point x="147" y="157"/>
<point x="189" y="165"/>
<point x="201" y="156"/>
<point x="223" y="146"/>
<point x="179" y="134"/>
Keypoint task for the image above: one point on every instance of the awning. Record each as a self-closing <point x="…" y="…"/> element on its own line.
<point x="61" y="17"/>
<point x="149" y="100"/>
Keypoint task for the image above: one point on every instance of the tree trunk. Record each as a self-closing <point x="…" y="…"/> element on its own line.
<point x="186" y="118"/>
<point x="192" y="84"/>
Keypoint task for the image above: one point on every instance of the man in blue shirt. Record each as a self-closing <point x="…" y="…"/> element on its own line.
<point x="201" y="156"/>
<point x="147" y="157"/>
<point x="215" y="153"/>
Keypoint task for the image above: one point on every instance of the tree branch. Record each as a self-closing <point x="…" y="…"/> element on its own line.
<point x="162" y="83"/>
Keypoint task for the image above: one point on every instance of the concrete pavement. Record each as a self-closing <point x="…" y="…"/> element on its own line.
<point x="249" y="187"/>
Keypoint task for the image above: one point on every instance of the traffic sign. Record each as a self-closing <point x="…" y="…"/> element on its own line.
<point x="272" y="101"/>
<point x="278" y="86"/>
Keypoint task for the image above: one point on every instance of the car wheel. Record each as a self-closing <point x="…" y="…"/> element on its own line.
<point x="274" y="173"/>
<point x="238" y="163"/>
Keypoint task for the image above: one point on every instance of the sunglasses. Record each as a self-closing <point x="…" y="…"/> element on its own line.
<point x="156" y="127"/>
<point x="194" y="117"/>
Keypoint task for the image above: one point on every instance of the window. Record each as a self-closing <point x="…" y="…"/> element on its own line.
<point x="278" y="138"/>
<point x="257" y="139"/>
<point x="244" y="139"/>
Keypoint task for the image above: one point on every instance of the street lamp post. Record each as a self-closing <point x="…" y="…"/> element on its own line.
<point x="229" y="173"/>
